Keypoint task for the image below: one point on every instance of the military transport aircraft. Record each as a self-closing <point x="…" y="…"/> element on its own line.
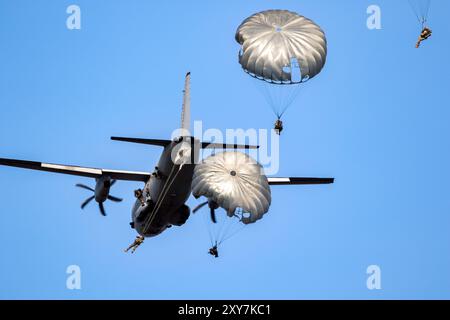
<point x="161" y="203"/>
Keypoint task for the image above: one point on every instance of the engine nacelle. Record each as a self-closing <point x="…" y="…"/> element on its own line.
<point x="141" y="212"/>
<point x="102" y="187"/>
<point x="180" y="216"/>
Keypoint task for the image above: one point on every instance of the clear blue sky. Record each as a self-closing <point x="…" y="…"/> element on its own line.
<point x="376" y="119"/>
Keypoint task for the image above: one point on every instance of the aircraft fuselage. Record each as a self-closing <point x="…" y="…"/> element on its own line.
<point x="163" y="198"/>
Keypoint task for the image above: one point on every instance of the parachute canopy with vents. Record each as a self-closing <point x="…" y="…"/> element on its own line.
<point x="272" y="41"/>
<point x="284" y="50"/>
<point x="233" y="180"/>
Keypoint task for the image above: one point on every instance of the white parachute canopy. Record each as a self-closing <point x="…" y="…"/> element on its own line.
<point x="233" y="180"/>
<point x="275" y="42"/>
<point x="281" y="50"/>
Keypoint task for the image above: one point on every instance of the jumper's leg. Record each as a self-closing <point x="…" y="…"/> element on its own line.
<point x="137" y="242"/>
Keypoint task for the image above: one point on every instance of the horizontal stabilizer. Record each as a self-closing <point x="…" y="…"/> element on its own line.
<point x="164" y="143"/>
<point x="76" y="170"/>
<point x="299" y="181"/>
<point x="153" y="142"/>
<point x="208" y="145"/>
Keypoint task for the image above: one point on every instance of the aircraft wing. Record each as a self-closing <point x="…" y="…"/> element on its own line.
<point x="299" y="181"/>
<point x="76" y="170"/>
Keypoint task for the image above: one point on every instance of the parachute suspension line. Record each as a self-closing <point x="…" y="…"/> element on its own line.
<point x="263" y="88"/>
<point x="231" y="235"/>
<point x="221" y="227"/>
<point x="239" y="213"/>
<point x="235" y="232"/>
<point x="224" y="230"/>
<point x="293" y="88"/>
<point x="277" y="58"/>
<point x="292" y="97"/>
<point x="424" y="8"/>
<point x="414" y="9"/>
<point x="279" y="97"/>
<point x="208" y="223"/>
<point x="427" y="10"/>
<point x="211" y="236"/>
<point x="233" y="226"/>
<point x="421" y="9"/>
<point x="216" y="230"/>
<point x="248" y="188"/>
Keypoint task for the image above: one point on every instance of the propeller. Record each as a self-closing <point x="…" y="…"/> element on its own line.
<point x="212" y="208"/>
<point x="102" y="208"/>
<point x="107" y="184"/>
<point x="201" y="205"/>
<point x="213" y="214"/>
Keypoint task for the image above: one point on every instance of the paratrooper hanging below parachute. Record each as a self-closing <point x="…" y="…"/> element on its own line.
<point x="278" y="126"/>
<point x="137" y="242"/>
<point x="424" y="35"/>
<point x="421" y="9"/>
<point x="235" y="182"/>
<point x="281" y="50"/>
<point x="214" y="251"/>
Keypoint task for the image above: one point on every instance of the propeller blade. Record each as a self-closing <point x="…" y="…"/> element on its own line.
<point x="82" y="186"/>
<point x="201" y="205"/>
<point x="112" y="182"/>
<point x="213" y="215"/>
<point x="102" y="209"/>
<point x="85" y="203"/>
<point x="115" y="199"/>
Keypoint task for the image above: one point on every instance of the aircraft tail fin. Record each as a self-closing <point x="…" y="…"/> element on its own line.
<point x="186" y="112"/>
<point x="185" y="120"/>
